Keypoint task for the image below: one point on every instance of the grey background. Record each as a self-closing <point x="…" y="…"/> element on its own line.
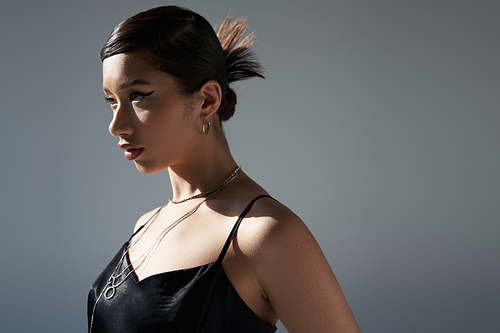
<point x="378" y="125"/>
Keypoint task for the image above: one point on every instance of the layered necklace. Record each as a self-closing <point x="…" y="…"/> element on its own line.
<point x="227" y="181"/>
<point x="118" y="277"/>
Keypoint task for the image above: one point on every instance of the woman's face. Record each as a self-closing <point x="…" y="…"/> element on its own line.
<point x="155" y="126"/>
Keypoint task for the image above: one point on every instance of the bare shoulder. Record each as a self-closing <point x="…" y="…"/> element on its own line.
<point x="145" y="218"/>
<point x="292" y="271"/>
<point x="270" y="224"/>
<point x="276" y="240"/>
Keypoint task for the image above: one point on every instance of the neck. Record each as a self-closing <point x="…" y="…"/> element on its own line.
<point x="210" y="167"/>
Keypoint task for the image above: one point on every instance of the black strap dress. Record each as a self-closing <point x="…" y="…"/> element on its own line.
<point x="198" y="299"/>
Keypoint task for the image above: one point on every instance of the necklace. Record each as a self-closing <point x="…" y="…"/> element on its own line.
<point x="109" y="290"/>
<point x="115" y="279"/>
<point x="118" y="277"/>
<point x="227" y="181"/>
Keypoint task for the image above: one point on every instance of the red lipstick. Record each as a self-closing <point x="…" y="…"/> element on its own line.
<point x="131" y="152"/>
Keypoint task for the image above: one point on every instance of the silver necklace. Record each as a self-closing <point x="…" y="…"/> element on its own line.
<point x="115" y="280"/>
<point x="227" y="181"/>
<point x="109" y="290"/>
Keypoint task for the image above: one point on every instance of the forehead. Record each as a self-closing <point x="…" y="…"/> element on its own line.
<point x="124" y="68"/>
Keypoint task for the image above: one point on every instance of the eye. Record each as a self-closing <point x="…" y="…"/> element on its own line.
<point x="137" y="96"/>
<point x="110" y="100"/>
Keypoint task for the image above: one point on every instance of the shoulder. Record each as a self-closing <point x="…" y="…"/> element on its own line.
<point x="146" y="217"/>
<point x="274" y="238"/>
<point x="291" y="269"/>
<point x="269" y="223"/>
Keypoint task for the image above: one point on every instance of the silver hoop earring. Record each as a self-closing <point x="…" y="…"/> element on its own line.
<point x="205" y="130"/>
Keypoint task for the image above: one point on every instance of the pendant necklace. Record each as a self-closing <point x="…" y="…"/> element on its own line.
<point x="115" y="279"/>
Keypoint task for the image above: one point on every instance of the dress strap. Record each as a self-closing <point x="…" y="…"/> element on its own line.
<point x="236" y="226"/>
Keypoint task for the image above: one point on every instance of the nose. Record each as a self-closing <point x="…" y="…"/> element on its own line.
<point x="121" y="124"/>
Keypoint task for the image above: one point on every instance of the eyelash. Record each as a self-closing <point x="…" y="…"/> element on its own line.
<point x="135" y="96"/>
<point x="139" y="94"/>
<point x="109" y="100"/>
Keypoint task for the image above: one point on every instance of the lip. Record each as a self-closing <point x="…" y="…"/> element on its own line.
<point x="131" y="151"/>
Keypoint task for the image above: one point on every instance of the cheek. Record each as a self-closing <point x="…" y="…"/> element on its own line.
<point x="154" y="124"/>
<point x="169" y="121"/>
<point x="145" y="117"/>
<point x="163" y="128"/>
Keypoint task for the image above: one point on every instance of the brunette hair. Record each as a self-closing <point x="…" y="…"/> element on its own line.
<point x="182" y="43"/>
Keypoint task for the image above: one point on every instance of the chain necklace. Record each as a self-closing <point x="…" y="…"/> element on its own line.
<point x="227" y="181"/>
<point x="115" y="280"/>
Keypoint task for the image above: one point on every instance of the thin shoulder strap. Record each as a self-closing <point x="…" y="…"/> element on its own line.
<point x="236" y="226"/>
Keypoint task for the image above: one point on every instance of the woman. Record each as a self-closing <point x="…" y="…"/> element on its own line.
<point x="221" y="255"/>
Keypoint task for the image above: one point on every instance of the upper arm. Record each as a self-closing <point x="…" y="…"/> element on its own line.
<point x="298" y="281"/>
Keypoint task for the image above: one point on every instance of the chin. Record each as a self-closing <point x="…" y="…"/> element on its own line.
<point x="147" y="169"/>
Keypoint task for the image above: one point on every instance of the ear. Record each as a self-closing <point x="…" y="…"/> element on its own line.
<point x="211" y="94"/>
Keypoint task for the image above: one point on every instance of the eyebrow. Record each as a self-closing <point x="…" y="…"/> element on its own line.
<point x="136" y="82"/>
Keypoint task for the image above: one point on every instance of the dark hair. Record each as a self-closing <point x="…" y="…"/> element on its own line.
<point x="184" y="45"/>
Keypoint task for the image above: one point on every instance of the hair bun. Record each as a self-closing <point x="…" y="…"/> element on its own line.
<point x="237" y="45"/>
<point x="226" y="110"/>
<point x="241" y="63"/>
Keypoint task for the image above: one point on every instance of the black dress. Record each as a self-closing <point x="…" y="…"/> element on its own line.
<point x="198" y="299"/>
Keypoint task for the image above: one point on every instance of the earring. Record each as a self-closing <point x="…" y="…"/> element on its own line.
<point x="205" y="130"/>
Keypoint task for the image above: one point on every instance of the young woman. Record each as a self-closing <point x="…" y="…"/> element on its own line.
<point x="221" y="255"/>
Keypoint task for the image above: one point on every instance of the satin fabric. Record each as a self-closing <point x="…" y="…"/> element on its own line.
<point x="198" y="299"/>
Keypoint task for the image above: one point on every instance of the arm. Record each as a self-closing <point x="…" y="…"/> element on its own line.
<point x="298" y="281"/>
